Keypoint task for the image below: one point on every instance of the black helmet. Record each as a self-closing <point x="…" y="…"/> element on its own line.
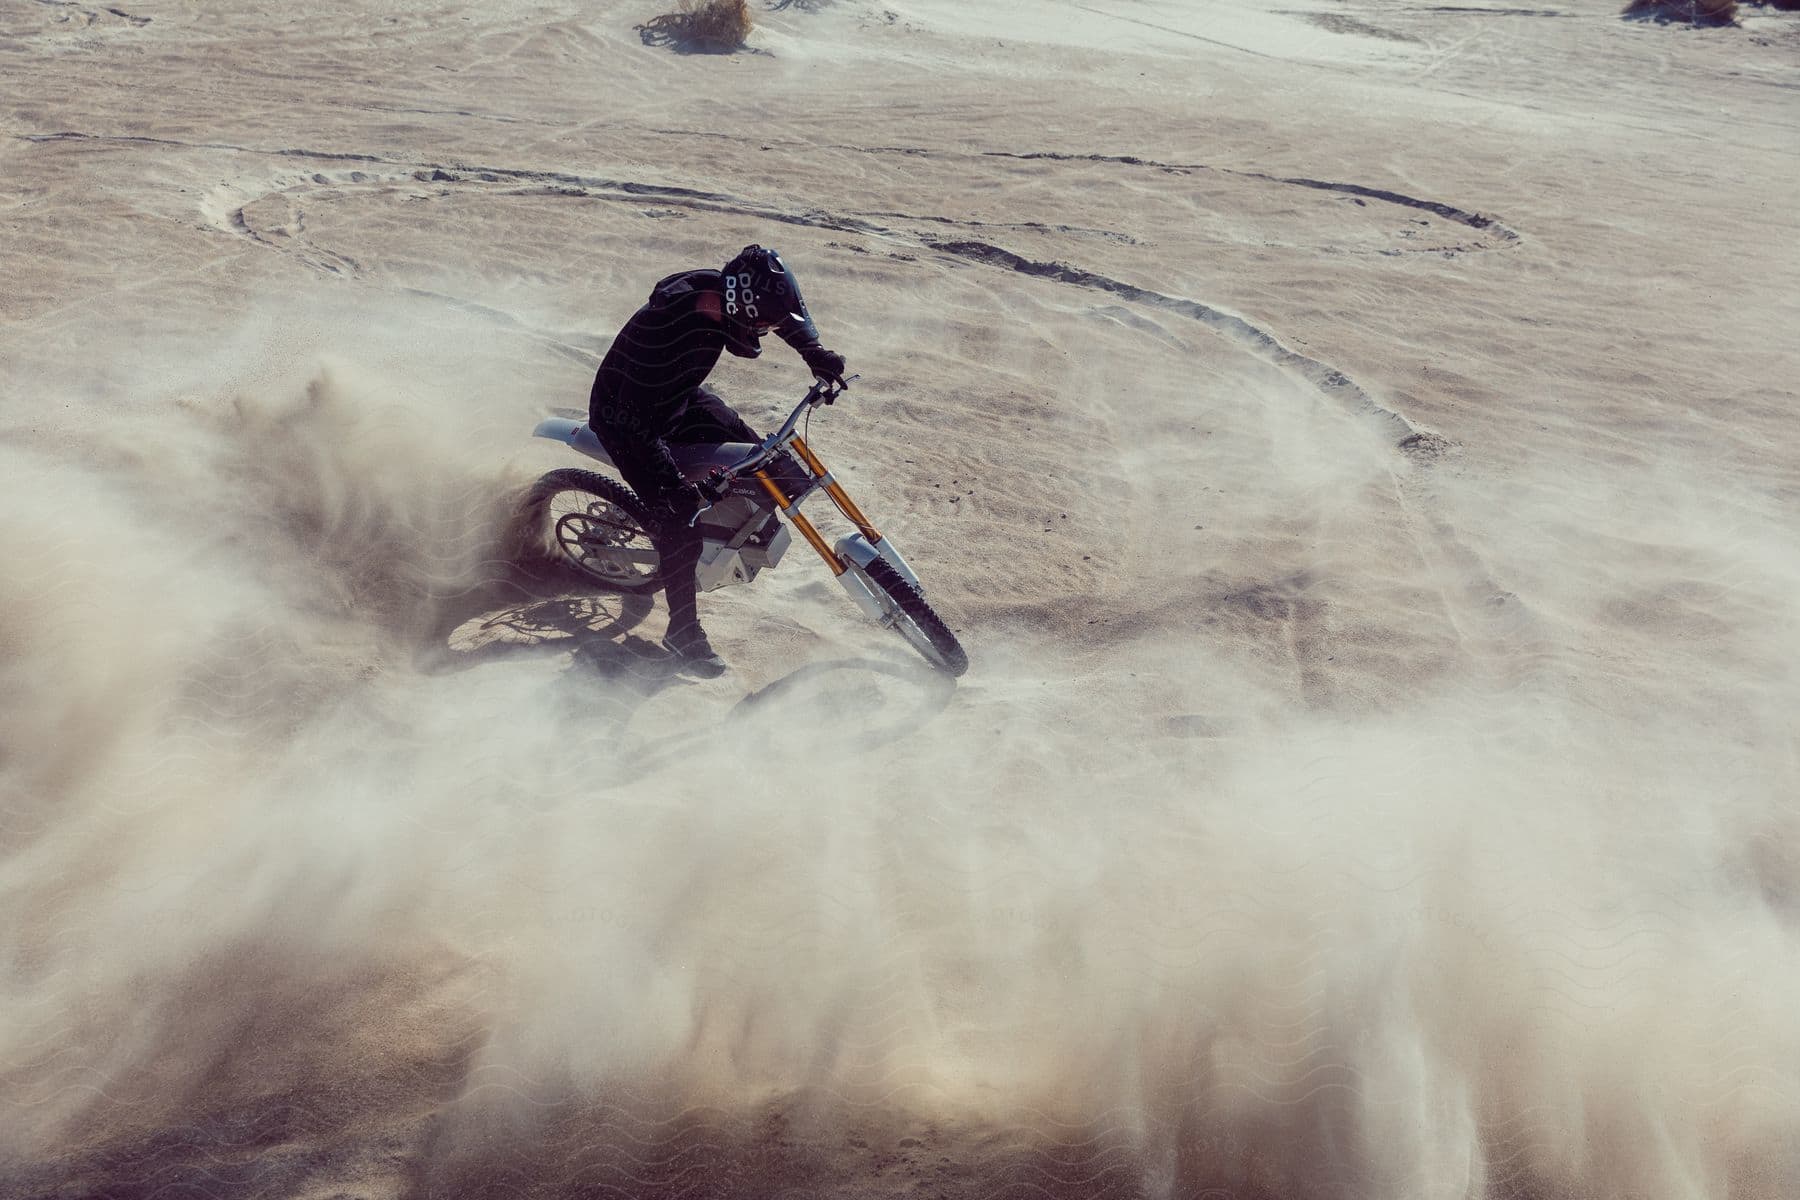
<point x="760" y="294"/>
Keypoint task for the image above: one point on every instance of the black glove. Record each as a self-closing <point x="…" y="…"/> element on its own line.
<point x="825" y="364"/>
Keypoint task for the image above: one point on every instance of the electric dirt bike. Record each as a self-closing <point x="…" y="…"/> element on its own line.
<point x="600" y="528"/>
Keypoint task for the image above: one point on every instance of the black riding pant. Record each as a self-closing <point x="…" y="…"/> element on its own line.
<point x="707" y="420"/>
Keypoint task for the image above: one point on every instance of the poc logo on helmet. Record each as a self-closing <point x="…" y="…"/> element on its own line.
<point x="735" y="284"/>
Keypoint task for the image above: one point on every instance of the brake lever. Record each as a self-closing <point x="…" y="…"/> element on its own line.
<point x="712" y="489"/>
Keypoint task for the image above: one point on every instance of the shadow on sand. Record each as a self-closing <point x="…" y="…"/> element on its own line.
<point x="549" y="612"/>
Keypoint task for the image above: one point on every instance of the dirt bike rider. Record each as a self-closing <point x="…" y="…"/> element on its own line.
<point x="647" y="395"/>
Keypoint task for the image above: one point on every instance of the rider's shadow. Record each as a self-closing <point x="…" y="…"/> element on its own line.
<point x="549" y="614"/>
<point x="529" y="615"/>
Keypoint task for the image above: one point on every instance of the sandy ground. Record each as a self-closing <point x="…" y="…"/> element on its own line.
<point x="1354" y="439"/>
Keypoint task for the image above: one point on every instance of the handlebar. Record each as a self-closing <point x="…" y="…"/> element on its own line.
<point x="823" y="391"/>
<point x="720" y="479"/>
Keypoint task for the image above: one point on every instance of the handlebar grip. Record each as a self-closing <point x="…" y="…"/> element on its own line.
<point x="842" y="385"/>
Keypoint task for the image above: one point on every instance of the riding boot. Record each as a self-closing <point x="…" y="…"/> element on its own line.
<point x="686" y="639"/>
<point x="688" y="643"/>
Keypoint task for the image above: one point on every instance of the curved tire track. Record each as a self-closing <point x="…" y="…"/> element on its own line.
<point x="1336" y="386"/>
<point x="1450" y="212"/>
<point x="1479" y="221"/>
<point x="1329" y="381"/>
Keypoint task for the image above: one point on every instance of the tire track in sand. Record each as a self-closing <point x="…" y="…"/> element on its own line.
<point x="1478" y="221"/>
<point x="1454" y="559"/>
<point x="1330" y="382"/>
<point x="1333" y="383"/>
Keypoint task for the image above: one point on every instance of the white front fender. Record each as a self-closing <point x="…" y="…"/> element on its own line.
<point x="857" y="548"/>
<point x="859" y="590"/>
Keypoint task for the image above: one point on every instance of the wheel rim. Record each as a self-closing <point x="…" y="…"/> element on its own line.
<point x="601" y="539"/>
<point x="907" y="628"/>
<point x="919" y="640"/>
<point x="904" y="625"/>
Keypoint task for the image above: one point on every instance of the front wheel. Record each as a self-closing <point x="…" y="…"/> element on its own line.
<point x="915" y="620"/>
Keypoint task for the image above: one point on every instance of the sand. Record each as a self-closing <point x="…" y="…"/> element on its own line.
<point x="1353" y="439"/>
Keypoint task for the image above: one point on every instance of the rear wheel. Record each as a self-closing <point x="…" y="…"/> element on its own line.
<point x="597" y="527"/>
<point x="914" y="619"/>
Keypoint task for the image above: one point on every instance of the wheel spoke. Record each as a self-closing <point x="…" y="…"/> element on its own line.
<point x="599" y="538"/>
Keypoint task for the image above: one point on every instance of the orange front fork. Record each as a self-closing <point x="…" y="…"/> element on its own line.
<point x="838" y="496"/>
<point x="802" y="524"/>
<point x="845" y="504"/>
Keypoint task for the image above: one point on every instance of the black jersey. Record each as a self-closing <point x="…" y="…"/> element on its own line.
<point x="665" y="351"/>
<point x="648" y="386"/>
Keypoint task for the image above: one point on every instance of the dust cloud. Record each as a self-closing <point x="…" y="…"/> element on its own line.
<point x="1327" y="811"/>
<point x="1279" y="886"/>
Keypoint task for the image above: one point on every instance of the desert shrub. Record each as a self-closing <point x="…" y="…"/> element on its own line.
<point x="717" y="26"/>
<point x="1696" y="12"/>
